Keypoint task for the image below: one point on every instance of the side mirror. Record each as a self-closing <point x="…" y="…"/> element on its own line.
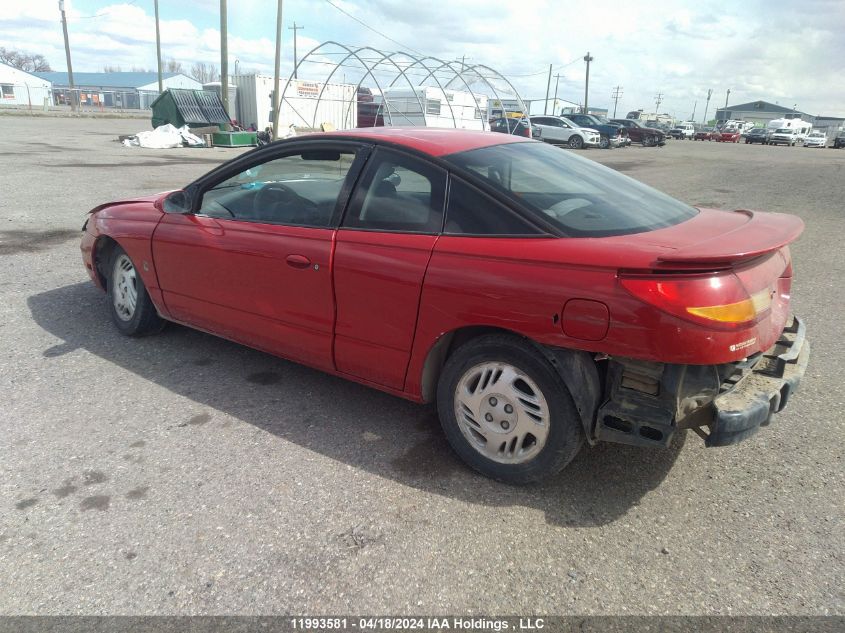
<point x="177" y="202"/>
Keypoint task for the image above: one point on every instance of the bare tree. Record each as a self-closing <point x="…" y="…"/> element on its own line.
<point x="140" y="69"/>
<point x="205" y="73"/>
<point x="111" y="69"/>
<point x="28" y="62"/>
<point x="172" y="66"/>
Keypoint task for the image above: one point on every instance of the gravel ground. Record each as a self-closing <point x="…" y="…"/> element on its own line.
<point x="183" y="474"/>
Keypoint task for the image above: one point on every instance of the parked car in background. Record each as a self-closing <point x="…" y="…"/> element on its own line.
<point x="539" y="300"/>
<point x="839" y="141"/>
<point x="757" y="135"/>
<point x="683" y="131"/>
<point x="816" y="139"/>
<point x="611" y="134"/>
<point x="783" y="136"/>
<point x="562" y="131"/>
<point x="639" y="133"/>
<point x="508" y="125"/>
<point x="705" y="134"/>
<point x="728" y="135"/>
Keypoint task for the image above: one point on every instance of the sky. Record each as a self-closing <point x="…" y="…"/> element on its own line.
<point x="782" y="51"/>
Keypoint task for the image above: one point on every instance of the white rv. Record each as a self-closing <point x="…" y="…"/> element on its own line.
<point x="801" y="128"/>
<point x="432" y="107"/>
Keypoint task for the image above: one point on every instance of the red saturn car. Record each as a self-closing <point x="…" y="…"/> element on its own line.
<point x="541" y="300"/>
<point x="729" y="135"/>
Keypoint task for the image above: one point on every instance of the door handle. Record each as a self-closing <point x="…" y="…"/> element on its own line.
<point x="298" y="261"/>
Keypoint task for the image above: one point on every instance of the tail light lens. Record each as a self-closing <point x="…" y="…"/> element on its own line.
<point x="715" y="299"/>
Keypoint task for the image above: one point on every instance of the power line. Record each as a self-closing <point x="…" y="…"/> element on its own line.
<point x="377" y="32"/>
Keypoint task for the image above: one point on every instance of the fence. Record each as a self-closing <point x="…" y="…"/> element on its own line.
<point x="87" y="98"/>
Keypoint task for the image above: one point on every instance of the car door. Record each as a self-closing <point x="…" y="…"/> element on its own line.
<point x="553" y="130"/>
<point x="382" y="250"/>
<point x="252" y="261"/>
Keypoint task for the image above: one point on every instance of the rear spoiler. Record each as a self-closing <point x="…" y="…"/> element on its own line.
<point x="762" y="233"/>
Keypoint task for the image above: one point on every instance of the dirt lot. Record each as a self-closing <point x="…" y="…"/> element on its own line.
<point x="182" y="474"/>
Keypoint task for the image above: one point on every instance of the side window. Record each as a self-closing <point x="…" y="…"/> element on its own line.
<point x="470" y="212"/>
<point x="300" y="189"/>
<point x="398" y="193"/>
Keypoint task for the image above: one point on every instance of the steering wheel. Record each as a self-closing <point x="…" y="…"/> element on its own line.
<point x="271" y="195"/>
<point x="279" y="203"/>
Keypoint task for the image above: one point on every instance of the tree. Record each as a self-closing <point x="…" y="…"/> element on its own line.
<point x="172" y="66"/>
<point x="205" y="73"/>
<point x="28" y="62"/>
<point x="111" y="69"/>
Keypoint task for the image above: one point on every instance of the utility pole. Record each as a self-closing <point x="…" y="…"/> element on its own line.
<point x="158" y="51"/>
<point x="554" y="103"/>
<point x="294" y="28"/>
<point x="73" y="101"/>
<point x="224" y="56"/>
<point x="707" y="105"/>
<point x="658" y="99"/>
<point x="277" y="70"/>
<point x="694" y="106"/>
<point x="587" y="58"/>
<point x="727" y="95"/>
<point x="617" y="92"/>
<point x="548" y="87"/>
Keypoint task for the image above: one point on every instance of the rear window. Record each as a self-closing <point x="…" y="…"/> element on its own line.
<point x="577" y="196"/>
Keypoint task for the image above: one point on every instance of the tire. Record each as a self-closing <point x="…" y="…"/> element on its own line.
<point x="648" y="140"/>
<point x="528" y="442"/>
<point x="132" y="310"/>
<point x="604" y="141"/>
<point x="576" y="142"/>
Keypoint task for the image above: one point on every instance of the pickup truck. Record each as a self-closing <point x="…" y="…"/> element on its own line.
<point x="612" y="134"/>
<point x="683" y="131"/>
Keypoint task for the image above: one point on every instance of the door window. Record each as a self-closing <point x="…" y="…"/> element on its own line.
<point x="398" y="193"/>
<point x="470" y="212"/>
<point x="299" y="189"/>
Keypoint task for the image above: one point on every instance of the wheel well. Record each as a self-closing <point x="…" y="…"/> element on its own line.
<point x="103" y="248"/>
<point x="578" y="369"/>
<point x="443" y="348"/>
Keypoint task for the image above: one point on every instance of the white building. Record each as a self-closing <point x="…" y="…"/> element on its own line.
<point x="307" y="104"/>
<point x="22" y="88"/>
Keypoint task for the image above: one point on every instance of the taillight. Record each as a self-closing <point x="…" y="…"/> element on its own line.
<point x="715" y="299"/>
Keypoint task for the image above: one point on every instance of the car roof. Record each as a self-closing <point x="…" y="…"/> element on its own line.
<point x="429" y="140"/>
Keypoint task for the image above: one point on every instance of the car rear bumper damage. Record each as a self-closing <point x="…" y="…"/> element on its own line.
<point x="645" y="403"/>
<point x="751" y="396"/>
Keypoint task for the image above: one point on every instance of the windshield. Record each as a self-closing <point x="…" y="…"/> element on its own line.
<point x="577" y="196"/>
<point x="783" y="130"/>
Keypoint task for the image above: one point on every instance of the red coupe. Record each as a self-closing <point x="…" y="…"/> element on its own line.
<point x="540" y="299"/>
<point x="727" y="136"/>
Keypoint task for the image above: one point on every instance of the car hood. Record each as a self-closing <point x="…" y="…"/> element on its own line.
<point x="150" y="199"/>
<point x="588" y="129"/>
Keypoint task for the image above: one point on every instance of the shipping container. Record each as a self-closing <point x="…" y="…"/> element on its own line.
<point x="307" y="104"/>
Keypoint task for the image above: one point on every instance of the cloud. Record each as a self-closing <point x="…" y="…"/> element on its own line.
<point x="773" y="50"/>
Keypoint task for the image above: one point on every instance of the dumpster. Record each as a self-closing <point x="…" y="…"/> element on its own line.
<point x="194" y="108"/>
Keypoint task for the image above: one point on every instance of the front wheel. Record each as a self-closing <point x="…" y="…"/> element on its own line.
<point x="506" y="412"/>
<point x="604" y="141"/>
<point x="132" y="310"/>
<point x="648" y="141"/>
<point x="576" y="142"/>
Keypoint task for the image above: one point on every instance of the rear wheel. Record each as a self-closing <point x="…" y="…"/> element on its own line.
<point x="506" y="412"/>
<point x="576" y="142"/>
<point x="131" y="308"/>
